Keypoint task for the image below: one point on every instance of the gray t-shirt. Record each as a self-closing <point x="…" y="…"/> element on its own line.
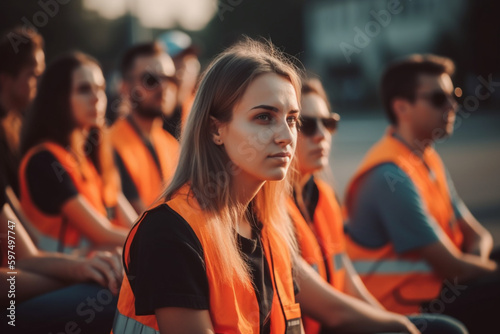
<point x="387" y="208"/>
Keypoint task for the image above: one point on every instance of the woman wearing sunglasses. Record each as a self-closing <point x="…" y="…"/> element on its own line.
<point x="68" y="184"/>
<point x="318" y="222"/>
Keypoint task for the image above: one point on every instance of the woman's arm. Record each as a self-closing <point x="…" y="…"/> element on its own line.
<point x="103" y="268"/>
<point x="24" y="246"/>
<point x="342" y="312"/>
<point x="176" y="320"/>
<point x="138" y="206"/>
<point x="126" y="214"/>
<point x="16" y="208"/>
<point x="355" y="287"/>
<point x="39" y="272"/>
<point x="92" y="224"/>
<point x="28" y="285"/>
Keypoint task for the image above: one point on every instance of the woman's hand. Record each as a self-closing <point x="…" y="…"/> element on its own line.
<point x="407" y="326"/>
<point x="103" y="267"/>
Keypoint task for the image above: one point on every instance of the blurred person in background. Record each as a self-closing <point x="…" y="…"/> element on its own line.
<point x="187" y="69"/>
<point x="53" y="289"/>
<point x="41" y="277"/>
<point x="69" y="187"/>
<point x="22" y="62"/>
<point x="146" y="154"/>
<point x="409" y="232"/>
<point x="318" y="221"/>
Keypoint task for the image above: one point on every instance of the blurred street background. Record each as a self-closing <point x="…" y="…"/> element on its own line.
<point x="346" y="42"/>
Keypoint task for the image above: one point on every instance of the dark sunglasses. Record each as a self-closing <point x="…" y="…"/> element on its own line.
<point x="439" y="98"/>
<point x="309" y="125"/>
<point x="153" y="80"/>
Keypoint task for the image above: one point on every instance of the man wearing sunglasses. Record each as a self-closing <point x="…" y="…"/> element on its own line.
<point x="146" y="154"/>
<point x="412" y="240"/>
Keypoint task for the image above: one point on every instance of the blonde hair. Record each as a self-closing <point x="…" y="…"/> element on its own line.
<point x="207" y="168"/>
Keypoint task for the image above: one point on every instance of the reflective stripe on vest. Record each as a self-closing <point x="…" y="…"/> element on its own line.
<point x="126" y="325"/>
<point x="338" y="261"/>
<point x="399" y="266"/>
<point x="402" y="282"/>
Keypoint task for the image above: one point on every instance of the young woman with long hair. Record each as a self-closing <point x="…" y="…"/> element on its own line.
<point x="69" y="187"/>
<point x="317" y="217"/>
<point x="216" y="253"/>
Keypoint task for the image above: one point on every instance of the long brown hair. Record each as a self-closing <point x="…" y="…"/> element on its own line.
<point x="50" y="117"/>
<point x="207" y="168"/>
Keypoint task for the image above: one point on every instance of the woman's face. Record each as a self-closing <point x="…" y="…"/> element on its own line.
<point x="260" y="139"/>
<point x="313" y="151"/>
<point x="88" y="97"/>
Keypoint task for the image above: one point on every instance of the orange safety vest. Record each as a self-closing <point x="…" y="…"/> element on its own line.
<point x="233" y="307"/>
<point x="57" y="233"/>
<point x="321" y="243"/>
<point x="112" y="187"/>
<point x="139" y="162"/>
<point x="401" y="282"/>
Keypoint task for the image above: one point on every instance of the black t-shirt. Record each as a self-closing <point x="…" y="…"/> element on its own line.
<point x="167" y="267"/>
<point x="172" y="124"/>
<point x="310" y="195"/>
<point x="49" y="186"/>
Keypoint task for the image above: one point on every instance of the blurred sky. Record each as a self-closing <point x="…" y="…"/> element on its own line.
<point x="188" y="14"/>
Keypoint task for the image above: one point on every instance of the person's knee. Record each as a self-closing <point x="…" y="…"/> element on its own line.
<point x="438" y="324"/>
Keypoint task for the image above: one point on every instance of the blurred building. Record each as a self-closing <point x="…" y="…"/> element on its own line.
<point x="348" y="42"/>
